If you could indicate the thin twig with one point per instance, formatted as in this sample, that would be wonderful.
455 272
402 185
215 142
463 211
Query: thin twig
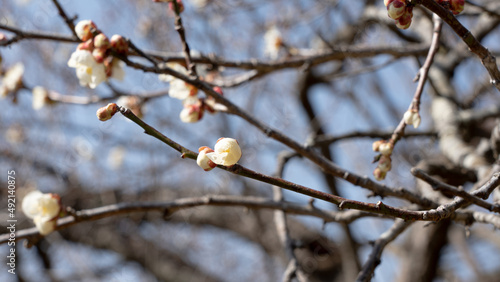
182 34
378 247
64 16
487 59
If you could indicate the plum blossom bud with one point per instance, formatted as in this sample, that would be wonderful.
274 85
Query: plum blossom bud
457 6
227 152
384 163
119 44
87 45
45 227
191 112
379 174
376 145
101 41
84 29
106 113
100 54
387 2
412 117
396 9
203 161
43 209
386 148
404 21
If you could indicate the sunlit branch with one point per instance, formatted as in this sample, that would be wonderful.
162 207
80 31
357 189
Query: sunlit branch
168 208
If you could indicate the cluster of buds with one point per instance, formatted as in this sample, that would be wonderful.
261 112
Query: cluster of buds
44 209
171 5
400 12
194 107
107 112
455 6
92 59
412 117
226 152
384 162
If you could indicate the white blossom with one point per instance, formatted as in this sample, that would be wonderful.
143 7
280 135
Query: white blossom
179 89
227 152
89 72
43 209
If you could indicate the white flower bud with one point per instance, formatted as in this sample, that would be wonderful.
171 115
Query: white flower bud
44 226
84 29
203 161
412 117
227 152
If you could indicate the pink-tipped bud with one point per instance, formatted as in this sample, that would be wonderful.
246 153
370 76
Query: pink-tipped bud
107 112
85 29
203 161
396 9
404 21
87 45
457 6
101 41
191 113
119 44
100 54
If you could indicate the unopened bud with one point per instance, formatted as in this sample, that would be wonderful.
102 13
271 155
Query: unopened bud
99 54
119 44
396 9
107 112
101 41
203 161
385 163
84 29
412 117
87 45
386 148
379 174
